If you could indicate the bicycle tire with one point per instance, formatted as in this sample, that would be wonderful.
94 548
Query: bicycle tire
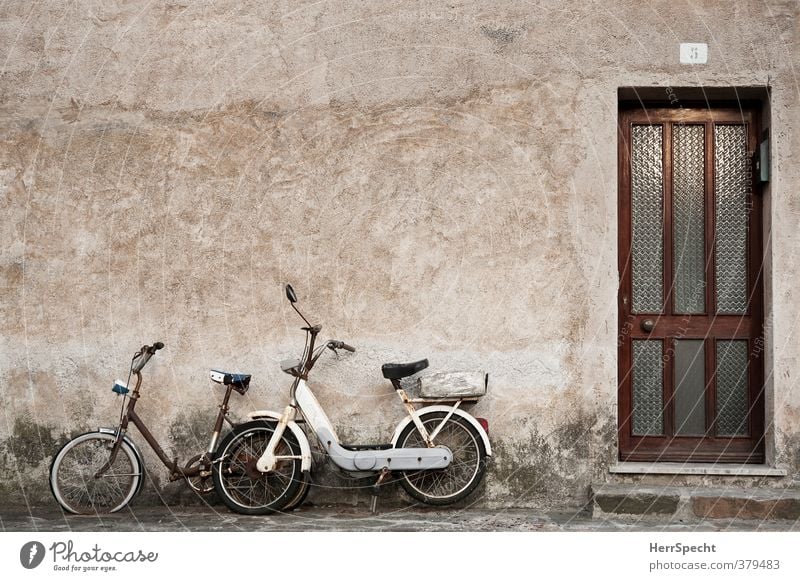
302 492
73 469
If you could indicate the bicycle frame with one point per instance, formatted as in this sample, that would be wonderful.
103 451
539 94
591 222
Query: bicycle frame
130 416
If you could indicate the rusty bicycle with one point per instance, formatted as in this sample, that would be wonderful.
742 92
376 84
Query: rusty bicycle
103 470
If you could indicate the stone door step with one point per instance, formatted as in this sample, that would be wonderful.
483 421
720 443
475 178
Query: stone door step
694 503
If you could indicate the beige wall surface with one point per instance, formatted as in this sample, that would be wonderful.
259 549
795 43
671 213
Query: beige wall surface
436 180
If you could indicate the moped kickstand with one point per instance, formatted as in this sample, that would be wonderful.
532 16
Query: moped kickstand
382 477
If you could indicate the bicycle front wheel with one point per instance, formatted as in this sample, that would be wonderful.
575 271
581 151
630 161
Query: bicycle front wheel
462 477
241 486
302 492
74 480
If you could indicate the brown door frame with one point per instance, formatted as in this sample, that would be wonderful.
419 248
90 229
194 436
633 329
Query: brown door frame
709 327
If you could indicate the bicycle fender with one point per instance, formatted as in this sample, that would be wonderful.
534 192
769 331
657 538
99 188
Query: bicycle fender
136 452
305 447
446 409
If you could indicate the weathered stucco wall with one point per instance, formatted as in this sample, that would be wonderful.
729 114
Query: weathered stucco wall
436 181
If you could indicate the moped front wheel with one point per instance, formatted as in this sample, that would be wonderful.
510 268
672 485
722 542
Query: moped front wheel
74 478
241 486
461 477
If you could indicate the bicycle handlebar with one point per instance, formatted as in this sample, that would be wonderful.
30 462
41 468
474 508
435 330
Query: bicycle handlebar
144 355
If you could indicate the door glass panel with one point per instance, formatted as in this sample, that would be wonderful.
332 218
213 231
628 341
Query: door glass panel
690 387
730 189
648 392
732 396
647 195
688 198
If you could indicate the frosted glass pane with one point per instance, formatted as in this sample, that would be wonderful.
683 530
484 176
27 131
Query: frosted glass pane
688 215
647 196
732 365
648 398
730 171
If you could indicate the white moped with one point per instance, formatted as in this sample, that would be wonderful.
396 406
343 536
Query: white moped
439 452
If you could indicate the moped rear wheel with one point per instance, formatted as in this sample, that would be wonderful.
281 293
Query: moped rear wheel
241 486
74 481
461 477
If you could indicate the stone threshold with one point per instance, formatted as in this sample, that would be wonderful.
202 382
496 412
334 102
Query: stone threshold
701 469
691 503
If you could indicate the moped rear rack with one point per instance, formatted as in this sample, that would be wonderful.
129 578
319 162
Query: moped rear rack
444 400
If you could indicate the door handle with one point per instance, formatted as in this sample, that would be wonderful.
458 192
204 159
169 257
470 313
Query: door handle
647 325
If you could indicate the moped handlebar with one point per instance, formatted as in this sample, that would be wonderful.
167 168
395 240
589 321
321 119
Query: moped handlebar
341 345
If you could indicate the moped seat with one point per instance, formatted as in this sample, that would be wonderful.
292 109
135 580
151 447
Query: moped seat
401 370
239 381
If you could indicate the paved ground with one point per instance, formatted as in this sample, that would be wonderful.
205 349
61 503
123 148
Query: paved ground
329 518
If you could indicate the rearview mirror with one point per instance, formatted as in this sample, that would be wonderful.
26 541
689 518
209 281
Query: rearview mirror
290 294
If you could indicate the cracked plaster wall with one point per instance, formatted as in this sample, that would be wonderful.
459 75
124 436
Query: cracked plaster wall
435 180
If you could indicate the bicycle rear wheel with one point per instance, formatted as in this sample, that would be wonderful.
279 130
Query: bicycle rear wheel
74 468
241 486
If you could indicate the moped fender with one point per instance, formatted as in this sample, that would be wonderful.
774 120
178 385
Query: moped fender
305 447
136 452
446 409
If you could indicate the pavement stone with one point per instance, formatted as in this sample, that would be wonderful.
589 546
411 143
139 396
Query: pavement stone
349 518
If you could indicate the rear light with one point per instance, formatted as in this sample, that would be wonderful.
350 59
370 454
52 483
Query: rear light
484 424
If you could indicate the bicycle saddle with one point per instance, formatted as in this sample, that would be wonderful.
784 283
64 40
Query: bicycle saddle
240 381
401 370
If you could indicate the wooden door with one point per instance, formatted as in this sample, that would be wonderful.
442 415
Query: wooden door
690 298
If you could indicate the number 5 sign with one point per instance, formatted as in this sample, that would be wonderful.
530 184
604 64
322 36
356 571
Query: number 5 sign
694 53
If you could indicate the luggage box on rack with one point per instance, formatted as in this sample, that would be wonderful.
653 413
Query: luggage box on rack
454 385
